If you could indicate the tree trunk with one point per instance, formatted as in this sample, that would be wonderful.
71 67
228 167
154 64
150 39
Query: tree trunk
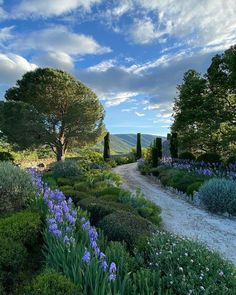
61 152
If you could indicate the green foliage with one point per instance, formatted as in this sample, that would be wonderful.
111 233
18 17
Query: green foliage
122 160
61 181
219 195
158 145
6 156
113 190
154 156
231 159
99 208
194 187
187 156
109 198
16 188
186 265
205 107
66 168
179 179
209 158
22 226
106 152
81 186
50 283
139 146
58 108
144 207
174 145
125 226
12 259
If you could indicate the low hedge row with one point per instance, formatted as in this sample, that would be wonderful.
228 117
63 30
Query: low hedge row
181 180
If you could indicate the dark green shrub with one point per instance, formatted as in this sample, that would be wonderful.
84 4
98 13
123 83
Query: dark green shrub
13 256
174 145
209 158
194 187
154 171
219 195
6 156
125 226
51 283
61 181
16 188
154 156
76 196
187 156
81 186
109 198
23 226
115 191
99 209
231 159
66 168
66 187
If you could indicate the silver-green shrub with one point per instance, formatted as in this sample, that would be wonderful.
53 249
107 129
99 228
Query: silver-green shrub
66 168
16 187
219 195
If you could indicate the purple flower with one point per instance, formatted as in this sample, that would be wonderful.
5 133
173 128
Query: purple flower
93 234
104 265
86 257
66 239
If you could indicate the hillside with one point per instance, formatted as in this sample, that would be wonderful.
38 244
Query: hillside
123 143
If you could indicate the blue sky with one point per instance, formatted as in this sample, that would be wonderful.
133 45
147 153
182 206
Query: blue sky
132 53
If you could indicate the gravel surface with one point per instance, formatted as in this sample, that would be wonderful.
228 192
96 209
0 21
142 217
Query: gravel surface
180 217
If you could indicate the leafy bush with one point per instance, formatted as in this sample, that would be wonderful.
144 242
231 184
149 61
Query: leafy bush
61 181
81 186
99 209
209 158
23 226
109 198
115 191
50 283
16 188
194 187
187 156
231 159
66 168
12 259
186 265
125 226
219 195
6 156
144 207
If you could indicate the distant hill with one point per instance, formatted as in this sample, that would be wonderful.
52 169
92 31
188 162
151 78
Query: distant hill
123 143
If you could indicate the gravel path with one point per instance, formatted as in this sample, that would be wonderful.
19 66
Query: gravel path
182 218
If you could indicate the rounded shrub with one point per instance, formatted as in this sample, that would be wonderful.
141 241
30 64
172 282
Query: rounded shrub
231 159
109 198
99 209
12 259
51 283
66 168
22 226
209 158
125 226
81 186
6 156
61 181
113 190
219 195
187 156
16 188
194 187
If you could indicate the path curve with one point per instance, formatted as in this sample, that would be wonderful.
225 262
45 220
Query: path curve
182 218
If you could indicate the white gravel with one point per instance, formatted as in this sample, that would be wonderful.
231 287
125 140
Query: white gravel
180 217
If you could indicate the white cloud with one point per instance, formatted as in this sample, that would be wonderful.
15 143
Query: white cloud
129 109
139 114
114 99
13 67
103 66
60 39
59 60
47 8
144 31
5 33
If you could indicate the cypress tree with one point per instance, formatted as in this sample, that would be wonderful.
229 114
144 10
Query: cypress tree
159 147
174 145
138 147
106 152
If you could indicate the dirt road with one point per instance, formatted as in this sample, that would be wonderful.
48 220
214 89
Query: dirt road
182 218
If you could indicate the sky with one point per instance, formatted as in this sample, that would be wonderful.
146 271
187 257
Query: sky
132 53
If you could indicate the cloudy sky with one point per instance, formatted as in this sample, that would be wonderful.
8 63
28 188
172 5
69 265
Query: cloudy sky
132 53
